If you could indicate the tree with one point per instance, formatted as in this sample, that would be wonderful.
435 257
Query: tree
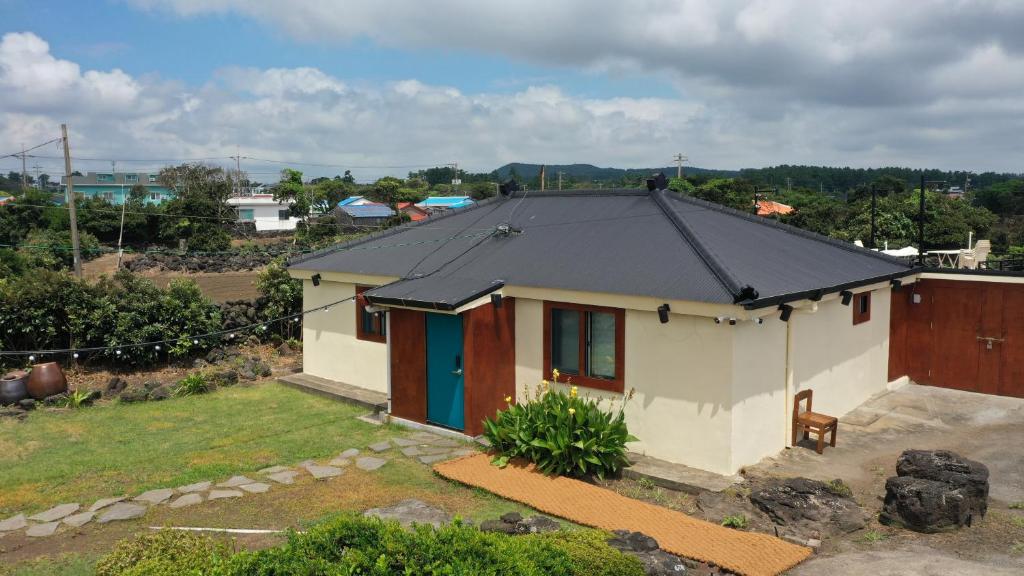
199 213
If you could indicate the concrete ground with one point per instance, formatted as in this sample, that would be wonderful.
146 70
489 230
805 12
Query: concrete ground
988 429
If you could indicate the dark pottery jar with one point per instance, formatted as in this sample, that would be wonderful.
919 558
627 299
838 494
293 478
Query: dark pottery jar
13 387
46 380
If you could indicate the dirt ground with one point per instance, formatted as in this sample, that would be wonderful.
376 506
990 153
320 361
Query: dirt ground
219 287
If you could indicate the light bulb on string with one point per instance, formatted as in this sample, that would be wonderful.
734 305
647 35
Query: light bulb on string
31 358
75 355
157 347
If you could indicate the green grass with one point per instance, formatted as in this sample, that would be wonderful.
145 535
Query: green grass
874 536
112 449
1017 505
67 565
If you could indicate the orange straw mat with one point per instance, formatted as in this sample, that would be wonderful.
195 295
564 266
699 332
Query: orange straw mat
747 553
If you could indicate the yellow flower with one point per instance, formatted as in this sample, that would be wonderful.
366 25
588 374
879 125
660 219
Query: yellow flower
572 411
573 392
554 374
508 399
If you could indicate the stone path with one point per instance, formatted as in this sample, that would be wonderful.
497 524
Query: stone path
425 447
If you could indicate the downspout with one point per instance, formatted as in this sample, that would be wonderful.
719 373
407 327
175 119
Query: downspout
787 422
387 340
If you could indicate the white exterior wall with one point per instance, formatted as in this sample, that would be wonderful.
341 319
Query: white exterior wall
844 364
330 347
266 217
682 375
759 404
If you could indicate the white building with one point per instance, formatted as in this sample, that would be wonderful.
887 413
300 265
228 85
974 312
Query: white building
267 213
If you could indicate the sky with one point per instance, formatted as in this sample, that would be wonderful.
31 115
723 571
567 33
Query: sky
384 87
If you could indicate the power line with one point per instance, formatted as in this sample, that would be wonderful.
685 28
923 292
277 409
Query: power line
24 150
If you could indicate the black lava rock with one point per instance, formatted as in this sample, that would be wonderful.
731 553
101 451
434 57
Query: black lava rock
935 491
28 404
808 506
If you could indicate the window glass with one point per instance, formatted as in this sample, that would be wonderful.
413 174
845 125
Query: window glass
864 303
601 348
283 214
565 340
245 214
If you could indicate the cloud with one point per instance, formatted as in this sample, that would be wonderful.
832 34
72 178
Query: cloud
953 116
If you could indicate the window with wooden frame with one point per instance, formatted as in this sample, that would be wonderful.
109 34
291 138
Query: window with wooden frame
371 326
861 307
586 344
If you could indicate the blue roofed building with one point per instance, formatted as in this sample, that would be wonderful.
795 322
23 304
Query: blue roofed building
115 187
355 201
437 204
363 215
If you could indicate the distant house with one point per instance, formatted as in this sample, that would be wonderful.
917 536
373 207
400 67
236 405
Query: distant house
362 215
415 212
955 192
115 187
771 208
438 204
264 212
355 201
5 199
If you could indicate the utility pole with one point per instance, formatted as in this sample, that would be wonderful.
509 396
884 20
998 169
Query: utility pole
679 158
25 182
542 177
124 203
238 173
920 225
874 207
70 191
560 180
455 176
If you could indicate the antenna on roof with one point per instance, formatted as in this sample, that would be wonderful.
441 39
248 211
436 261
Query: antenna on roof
657 182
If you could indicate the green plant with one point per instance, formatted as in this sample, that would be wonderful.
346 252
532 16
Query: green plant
561 433
1018 521
77 399
351 544
839 488
1017 505
164 553
192 385
874 536
738 521
1017 547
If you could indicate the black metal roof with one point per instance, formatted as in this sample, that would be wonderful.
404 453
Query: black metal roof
657 244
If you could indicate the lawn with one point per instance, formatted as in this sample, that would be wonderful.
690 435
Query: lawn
112 449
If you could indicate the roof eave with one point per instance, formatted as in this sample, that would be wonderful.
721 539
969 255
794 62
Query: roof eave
817 293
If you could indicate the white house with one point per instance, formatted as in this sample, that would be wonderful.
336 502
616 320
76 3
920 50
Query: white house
714 317
267 213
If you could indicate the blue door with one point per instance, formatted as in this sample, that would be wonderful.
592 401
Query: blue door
444 371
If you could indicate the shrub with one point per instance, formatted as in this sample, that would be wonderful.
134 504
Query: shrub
351 544
78 399
163 553
192 385
738 522
561 433
839 488
282 296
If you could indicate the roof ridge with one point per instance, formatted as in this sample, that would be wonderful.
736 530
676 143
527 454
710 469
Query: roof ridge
772 223
732 285
393 230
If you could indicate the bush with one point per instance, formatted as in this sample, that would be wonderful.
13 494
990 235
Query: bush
164 553
192 385
282 295
739 522
352 544
561 433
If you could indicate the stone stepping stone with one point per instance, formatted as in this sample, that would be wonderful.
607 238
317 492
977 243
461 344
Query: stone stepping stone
197 487
121 511
411 451
56 513
411 511
340 462
104 502
81 519
446 443
14 523
256 488
42 530
323 472
285 477
190 499
369 463
273 470
220 494
380 446
403 442
350 453
431 458
434 450
154 497
235 482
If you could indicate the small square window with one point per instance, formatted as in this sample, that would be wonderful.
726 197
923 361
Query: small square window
131 178
246 214
283 214
152 179
861 307
371 326
585 344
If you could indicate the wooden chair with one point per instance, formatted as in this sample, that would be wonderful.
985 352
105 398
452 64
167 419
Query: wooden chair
808 421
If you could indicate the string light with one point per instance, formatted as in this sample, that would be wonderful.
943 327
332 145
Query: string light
157 347
75 355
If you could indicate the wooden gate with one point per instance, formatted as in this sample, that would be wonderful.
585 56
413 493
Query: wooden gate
964 334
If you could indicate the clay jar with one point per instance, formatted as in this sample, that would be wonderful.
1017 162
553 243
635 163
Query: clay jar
46 380
12 387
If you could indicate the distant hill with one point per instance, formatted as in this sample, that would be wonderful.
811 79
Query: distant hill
584 172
